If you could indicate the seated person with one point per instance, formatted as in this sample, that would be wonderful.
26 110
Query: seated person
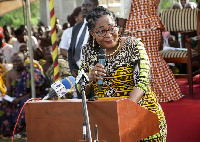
5 48
2 88
24 50
3 69
23 38
170 42
49 69
18 83
190 5
177 5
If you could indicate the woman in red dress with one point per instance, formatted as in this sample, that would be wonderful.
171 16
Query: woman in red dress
139 18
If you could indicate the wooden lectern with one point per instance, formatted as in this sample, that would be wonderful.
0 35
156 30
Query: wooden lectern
62 120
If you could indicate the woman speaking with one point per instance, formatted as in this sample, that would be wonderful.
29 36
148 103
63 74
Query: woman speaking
126 73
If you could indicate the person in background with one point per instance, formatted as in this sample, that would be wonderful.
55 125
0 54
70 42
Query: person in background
41 29
24 50
198 4
22 38
73 19
190 5
13 29
5 49
139 18
122 77
49 70
34 32
59 31
65 26
183 2
177 5
3 72
8 35
18 83
80 36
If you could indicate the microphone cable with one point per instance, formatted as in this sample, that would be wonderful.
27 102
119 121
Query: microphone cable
20 114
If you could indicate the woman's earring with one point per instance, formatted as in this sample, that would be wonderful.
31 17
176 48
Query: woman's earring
93 43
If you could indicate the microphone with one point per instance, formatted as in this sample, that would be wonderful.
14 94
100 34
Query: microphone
61 88
102 60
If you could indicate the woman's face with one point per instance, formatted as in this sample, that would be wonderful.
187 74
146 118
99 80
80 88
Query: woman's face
79 18
48 54
106 32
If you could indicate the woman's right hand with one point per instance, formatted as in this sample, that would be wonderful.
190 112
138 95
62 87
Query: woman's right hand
96 71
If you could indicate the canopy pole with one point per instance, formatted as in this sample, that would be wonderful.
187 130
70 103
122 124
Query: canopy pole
30 48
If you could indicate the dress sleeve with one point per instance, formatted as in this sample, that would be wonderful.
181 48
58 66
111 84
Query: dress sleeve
84 63
142 69
125 7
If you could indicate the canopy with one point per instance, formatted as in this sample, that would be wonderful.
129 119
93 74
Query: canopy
10 5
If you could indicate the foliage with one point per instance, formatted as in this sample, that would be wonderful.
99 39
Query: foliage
17 18
164 4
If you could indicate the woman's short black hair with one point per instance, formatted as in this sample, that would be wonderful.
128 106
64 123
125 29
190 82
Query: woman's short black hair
19 32
71 18
97 13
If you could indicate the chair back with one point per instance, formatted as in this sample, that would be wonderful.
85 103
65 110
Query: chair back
178 20
186 21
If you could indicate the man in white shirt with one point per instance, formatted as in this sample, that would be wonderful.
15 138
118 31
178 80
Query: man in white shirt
8 36
73 19
5 49
21 38
80 36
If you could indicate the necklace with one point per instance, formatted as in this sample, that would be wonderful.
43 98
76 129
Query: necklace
109 55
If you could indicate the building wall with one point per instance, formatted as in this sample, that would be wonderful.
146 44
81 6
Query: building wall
63 8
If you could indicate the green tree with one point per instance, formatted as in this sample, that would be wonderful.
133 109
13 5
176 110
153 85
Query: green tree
164 4
18 17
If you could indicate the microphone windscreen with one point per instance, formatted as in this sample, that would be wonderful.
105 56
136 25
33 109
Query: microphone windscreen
72 79
68 82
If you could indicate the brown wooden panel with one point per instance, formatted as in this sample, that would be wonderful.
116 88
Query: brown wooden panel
61 120
135 122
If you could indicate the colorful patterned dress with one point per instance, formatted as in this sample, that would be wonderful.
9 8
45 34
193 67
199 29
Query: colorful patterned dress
144 23
127 69
3 72
20 87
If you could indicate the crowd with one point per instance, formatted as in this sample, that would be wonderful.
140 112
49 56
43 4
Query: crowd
15 77
86 26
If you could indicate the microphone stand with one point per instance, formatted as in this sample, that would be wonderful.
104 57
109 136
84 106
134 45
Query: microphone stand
84 80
